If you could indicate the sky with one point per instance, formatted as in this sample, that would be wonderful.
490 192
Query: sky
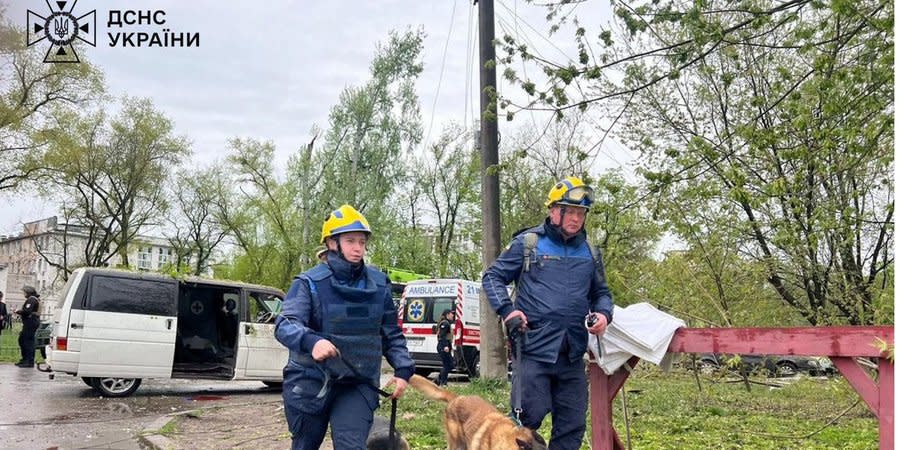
274 70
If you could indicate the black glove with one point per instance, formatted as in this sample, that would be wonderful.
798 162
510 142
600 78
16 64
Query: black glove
514 327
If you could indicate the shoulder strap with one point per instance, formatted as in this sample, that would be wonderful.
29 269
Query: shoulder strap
530 243
317 273
313 291
597 256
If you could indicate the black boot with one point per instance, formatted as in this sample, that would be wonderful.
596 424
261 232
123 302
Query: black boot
26 364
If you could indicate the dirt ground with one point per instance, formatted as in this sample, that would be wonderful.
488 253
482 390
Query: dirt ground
259 427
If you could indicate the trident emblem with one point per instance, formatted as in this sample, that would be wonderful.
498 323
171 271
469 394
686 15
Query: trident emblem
61 27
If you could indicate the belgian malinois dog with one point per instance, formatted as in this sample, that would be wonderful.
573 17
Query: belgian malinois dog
472 423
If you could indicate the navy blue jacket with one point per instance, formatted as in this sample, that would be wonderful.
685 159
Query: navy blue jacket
561 287
300 320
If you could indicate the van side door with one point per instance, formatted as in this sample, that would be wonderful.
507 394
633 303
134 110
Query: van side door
260 355
128 327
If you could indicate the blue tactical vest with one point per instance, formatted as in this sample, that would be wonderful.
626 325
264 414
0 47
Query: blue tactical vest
351 320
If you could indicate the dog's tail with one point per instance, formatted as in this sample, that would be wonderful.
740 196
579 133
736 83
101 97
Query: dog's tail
430 390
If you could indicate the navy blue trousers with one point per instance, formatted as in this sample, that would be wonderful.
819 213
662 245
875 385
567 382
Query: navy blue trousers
446 362
558 389
348 411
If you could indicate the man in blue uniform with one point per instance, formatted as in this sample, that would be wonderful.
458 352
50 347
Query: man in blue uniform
559 289
338 321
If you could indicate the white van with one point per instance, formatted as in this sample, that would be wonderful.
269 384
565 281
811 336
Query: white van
113 328
420 310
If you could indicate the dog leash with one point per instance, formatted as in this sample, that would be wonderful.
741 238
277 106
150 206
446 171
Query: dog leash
517 405
517 335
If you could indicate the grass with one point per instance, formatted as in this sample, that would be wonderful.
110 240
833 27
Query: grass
169 429
667 411
9 346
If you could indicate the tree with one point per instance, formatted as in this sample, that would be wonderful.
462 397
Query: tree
372 125
276 223
801 153
264 217
29 89
195 231
451 182
773 120
112 172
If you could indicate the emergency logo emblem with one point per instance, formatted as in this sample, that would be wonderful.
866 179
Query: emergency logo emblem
61 28
416 311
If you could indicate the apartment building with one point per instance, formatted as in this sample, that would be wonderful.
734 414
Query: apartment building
39 255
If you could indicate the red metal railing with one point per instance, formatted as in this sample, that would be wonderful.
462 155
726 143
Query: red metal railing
841 344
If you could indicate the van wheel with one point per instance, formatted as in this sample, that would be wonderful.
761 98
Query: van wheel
88 381
273 384
116 387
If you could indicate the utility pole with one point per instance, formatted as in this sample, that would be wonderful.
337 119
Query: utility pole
493 347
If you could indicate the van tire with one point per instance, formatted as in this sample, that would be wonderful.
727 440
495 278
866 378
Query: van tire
88 381
116 387
273 384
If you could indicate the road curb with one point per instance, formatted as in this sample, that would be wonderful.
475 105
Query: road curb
151 435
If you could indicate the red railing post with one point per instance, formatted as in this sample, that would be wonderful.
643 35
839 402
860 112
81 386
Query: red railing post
885 404
601 413
841 344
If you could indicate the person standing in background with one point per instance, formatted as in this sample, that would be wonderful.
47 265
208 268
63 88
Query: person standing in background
30 322
4 315
445 345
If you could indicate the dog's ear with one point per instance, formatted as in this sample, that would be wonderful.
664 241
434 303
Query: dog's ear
539 442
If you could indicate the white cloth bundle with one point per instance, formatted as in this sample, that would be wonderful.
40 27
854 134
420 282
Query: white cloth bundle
638 330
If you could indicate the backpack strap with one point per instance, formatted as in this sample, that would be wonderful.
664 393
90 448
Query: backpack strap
530 242
595 254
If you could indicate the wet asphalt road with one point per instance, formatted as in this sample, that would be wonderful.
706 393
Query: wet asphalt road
39 413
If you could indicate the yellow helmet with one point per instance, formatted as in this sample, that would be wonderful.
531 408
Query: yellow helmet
571 191
344 220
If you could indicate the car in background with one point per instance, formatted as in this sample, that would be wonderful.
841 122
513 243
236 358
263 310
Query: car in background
772 365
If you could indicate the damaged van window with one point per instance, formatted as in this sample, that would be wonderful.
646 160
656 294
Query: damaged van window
264 307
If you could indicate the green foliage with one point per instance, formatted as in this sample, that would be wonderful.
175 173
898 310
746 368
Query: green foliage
195 230
29 90
669 412
450 181
276 219
110 172
766 132
266 216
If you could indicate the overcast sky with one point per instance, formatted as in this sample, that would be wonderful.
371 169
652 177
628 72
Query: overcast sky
271 71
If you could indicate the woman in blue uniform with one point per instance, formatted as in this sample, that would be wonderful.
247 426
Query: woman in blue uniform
338 321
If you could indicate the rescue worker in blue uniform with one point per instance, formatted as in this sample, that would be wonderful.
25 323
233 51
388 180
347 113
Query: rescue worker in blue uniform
563 286
338 321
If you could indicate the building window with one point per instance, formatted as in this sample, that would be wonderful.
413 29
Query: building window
165 256
145 255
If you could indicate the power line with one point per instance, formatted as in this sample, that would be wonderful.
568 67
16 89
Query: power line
440 76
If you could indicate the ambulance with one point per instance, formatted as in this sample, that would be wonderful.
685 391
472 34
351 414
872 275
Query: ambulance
420 310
